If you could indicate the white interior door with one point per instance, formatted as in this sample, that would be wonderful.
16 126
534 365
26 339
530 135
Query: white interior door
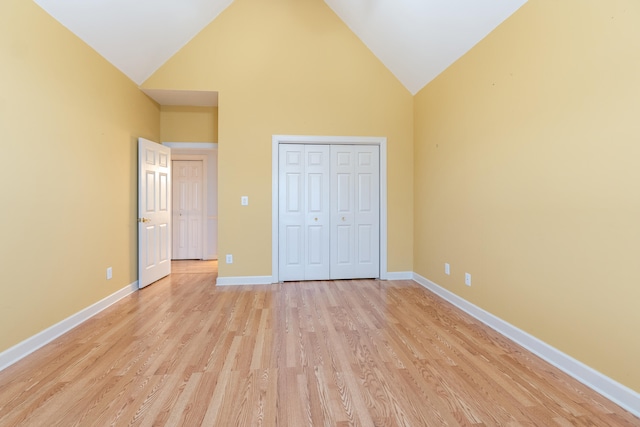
188 209
154 212
304 212
355 212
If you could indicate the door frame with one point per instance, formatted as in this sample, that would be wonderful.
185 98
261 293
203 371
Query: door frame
203 219
276 140
180 151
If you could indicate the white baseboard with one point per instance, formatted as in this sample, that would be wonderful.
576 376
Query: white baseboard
244 280
400 275
609 388
31 344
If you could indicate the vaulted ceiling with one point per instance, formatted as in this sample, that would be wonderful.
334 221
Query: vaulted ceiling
415 39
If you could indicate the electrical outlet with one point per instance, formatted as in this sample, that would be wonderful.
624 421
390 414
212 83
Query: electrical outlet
447 268
467 279
244 200
229 259
109 273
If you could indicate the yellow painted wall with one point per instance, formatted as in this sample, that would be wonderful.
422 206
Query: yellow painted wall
188 124
527 177
291 67
69 123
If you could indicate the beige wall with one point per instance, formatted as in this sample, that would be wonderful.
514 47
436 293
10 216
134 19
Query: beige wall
68 123
527 177
188 124
291 67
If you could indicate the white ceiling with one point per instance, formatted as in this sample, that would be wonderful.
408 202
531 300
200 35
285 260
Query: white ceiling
415 39
137 36
418 39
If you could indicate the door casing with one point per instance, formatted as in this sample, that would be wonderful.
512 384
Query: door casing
328 140
180 151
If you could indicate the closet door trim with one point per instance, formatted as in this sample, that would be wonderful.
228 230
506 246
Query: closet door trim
326 140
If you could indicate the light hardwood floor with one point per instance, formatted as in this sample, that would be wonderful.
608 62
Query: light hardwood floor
363 352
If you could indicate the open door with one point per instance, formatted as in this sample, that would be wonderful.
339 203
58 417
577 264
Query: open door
154 212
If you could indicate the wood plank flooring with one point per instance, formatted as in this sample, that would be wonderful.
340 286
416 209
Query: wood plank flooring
183 352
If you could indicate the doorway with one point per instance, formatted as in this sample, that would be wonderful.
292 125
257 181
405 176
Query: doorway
207 153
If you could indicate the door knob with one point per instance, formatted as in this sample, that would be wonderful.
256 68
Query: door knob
343 218
144 220
315 219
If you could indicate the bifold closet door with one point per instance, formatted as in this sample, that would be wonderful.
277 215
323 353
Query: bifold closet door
355 212
303 212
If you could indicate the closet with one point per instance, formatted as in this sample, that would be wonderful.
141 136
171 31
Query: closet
328 211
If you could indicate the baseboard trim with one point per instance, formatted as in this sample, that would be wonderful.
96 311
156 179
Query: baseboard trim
609 388
244 280
400 275
31 344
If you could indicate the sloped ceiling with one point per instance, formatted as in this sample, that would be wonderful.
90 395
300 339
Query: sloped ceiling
415 39
418 39
136 36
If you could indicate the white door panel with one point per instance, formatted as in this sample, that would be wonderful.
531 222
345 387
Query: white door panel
303 212
154 202
343 252
315 244
355 213
367 215
292 221
342 212
188 210
364 244
181 230
294 244
317 216
294 193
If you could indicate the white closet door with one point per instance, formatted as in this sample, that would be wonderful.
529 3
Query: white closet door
367 211
355 212
317 213
343 253
303 212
